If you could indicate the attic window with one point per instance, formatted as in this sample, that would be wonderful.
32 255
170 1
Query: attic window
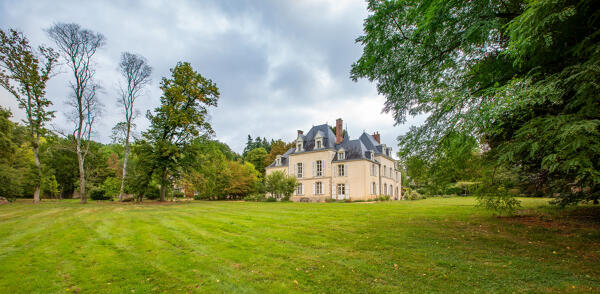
341 155
278 160
299 147
319 140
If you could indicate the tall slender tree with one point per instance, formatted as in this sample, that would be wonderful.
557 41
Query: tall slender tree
78 46
136 72
24 73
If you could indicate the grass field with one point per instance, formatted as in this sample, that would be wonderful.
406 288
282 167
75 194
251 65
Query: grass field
434 245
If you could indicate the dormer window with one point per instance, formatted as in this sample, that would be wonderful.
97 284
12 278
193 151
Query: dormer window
341 155
319 140
278 160
372 155
298 147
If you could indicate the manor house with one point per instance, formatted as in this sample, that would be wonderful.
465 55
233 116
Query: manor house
329 165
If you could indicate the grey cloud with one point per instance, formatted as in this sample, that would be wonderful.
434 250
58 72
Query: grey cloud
275 62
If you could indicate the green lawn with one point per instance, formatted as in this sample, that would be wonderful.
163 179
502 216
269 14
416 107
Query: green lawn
434 245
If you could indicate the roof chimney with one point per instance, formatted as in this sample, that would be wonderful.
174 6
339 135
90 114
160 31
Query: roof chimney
300 132
376 137
339 131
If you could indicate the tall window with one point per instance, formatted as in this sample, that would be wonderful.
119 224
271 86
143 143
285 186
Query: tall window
299 189
373 188
319 168
318 188
391 174
341 155
319 144
299 170
298 147
341 170
384 189
372 169
384 170
341 189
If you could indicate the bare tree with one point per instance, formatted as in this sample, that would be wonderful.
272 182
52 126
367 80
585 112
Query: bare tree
136 72
24 73
77 46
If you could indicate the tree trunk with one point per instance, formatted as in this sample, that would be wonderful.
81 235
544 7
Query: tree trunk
163 185
80 159
122 190
36 193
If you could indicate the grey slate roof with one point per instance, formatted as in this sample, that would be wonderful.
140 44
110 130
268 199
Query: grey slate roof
355 149
328 137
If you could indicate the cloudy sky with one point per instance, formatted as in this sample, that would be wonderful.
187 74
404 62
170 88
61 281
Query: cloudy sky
280 65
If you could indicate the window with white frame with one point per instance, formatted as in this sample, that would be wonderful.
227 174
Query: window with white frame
278 160
298 146
299 170
318 188
384 189
319 144
372 169
300 189
391 173
373 188
341 155
319 168
341 170
384 170
341 189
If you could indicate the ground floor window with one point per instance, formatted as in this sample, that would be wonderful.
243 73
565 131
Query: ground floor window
341 189
318 188
299 189
373 188
384 189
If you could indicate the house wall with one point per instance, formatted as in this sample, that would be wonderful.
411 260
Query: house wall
308 159
357 179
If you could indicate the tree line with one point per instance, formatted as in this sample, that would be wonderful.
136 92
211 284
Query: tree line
175 155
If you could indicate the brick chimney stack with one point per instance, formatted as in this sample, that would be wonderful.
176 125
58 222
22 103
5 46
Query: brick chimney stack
339 131
376 137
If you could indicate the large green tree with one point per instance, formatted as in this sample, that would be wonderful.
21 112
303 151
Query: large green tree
182 116
257 157
24 73
9 176
520 75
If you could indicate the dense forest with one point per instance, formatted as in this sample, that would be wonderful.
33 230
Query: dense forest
208 169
